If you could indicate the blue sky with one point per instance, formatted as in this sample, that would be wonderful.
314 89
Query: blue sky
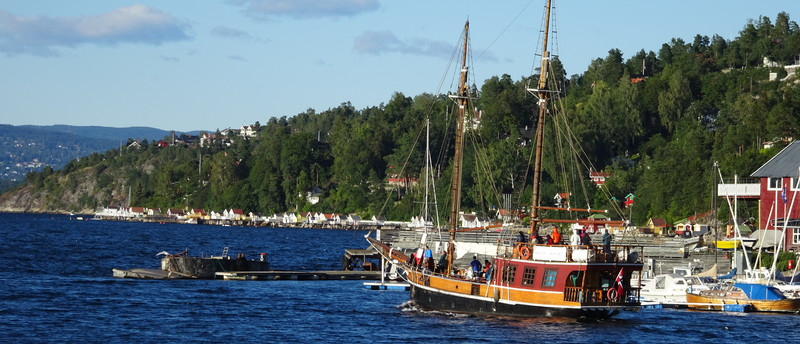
189 65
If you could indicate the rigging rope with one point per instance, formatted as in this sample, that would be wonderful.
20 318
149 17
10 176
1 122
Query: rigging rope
505 29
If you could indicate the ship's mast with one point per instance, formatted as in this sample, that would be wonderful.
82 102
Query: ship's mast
461 99
542 93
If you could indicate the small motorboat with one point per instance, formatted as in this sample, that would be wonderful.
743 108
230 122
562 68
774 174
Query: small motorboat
670 289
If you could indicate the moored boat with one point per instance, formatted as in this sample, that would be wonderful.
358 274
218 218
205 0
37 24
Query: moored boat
525 279
728 244
540 280
757 297
670 288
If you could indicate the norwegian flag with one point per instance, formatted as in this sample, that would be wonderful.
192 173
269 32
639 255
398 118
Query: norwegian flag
619 281
783 195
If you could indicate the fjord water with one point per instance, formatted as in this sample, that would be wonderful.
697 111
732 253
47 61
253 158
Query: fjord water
57 287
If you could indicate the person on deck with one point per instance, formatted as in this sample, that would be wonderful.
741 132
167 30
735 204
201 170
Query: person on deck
521 237
427 256
585 239
476 266
442 265
487 270
607 242
556 236
575 239
356 264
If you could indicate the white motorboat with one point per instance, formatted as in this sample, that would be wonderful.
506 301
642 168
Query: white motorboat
670 289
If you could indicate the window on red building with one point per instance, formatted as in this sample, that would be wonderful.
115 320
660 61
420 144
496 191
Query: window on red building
775 184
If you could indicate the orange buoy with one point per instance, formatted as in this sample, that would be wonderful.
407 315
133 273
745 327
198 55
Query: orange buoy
524 252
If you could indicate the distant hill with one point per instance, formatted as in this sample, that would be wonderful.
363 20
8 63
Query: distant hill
97 132
31 148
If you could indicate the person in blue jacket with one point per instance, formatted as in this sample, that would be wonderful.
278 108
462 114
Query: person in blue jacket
476 266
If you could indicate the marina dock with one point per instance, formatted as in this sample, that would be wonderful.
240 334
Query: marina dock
274 275
744 307
387 286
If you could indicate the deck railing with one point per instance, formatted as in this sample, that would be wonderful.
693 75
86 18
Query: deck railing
593 253
599 296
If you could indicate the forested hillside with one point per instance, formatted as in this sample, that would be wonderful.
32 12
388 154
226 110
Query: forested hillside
655 121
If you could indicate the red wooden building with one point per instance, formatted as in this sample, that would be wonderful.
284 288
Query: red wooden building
779 199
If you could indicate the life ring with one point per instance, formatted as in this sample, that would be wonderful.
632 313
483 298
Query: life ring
524 252
612 294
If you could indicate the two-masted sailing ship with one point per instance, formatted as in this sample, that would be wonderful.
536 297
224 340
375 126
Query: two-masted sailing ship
528 279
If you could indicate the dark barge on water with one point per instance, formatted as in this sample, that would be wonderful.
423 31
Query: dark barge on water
180 266
176 266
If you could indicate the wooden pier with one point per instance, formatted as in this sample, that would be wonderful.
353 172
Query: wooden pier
387 286
730 307
275 275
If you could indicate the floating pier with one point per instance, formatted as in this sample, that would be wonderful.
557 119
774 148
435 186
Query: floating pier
298 275
149 274
387 286
734 308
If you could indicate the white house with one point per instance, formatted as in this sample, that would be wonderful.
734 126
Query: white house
314 195
289 218
469 221
248 131
321 218
379 220
421 222
353 220
234 214
109 212
216 215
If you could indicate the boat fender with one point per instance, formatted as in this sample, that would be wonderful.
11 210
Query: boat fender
613 294
524 252
496 295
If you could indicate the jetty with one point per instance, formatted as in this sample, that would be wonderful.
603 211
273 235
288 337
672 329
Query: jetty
276 275
179 266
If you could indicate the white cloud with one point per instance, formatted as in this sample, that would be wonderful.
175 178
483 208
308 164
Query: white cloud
378 42
306 9
170 58
134 24
224 31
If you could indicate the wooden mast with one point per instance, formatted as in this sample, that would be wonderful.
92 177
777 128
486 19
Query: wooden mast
461 99
542 93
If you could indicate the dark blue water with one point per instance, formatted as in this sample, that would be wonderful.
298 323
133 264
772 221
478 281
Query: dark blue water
56 286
